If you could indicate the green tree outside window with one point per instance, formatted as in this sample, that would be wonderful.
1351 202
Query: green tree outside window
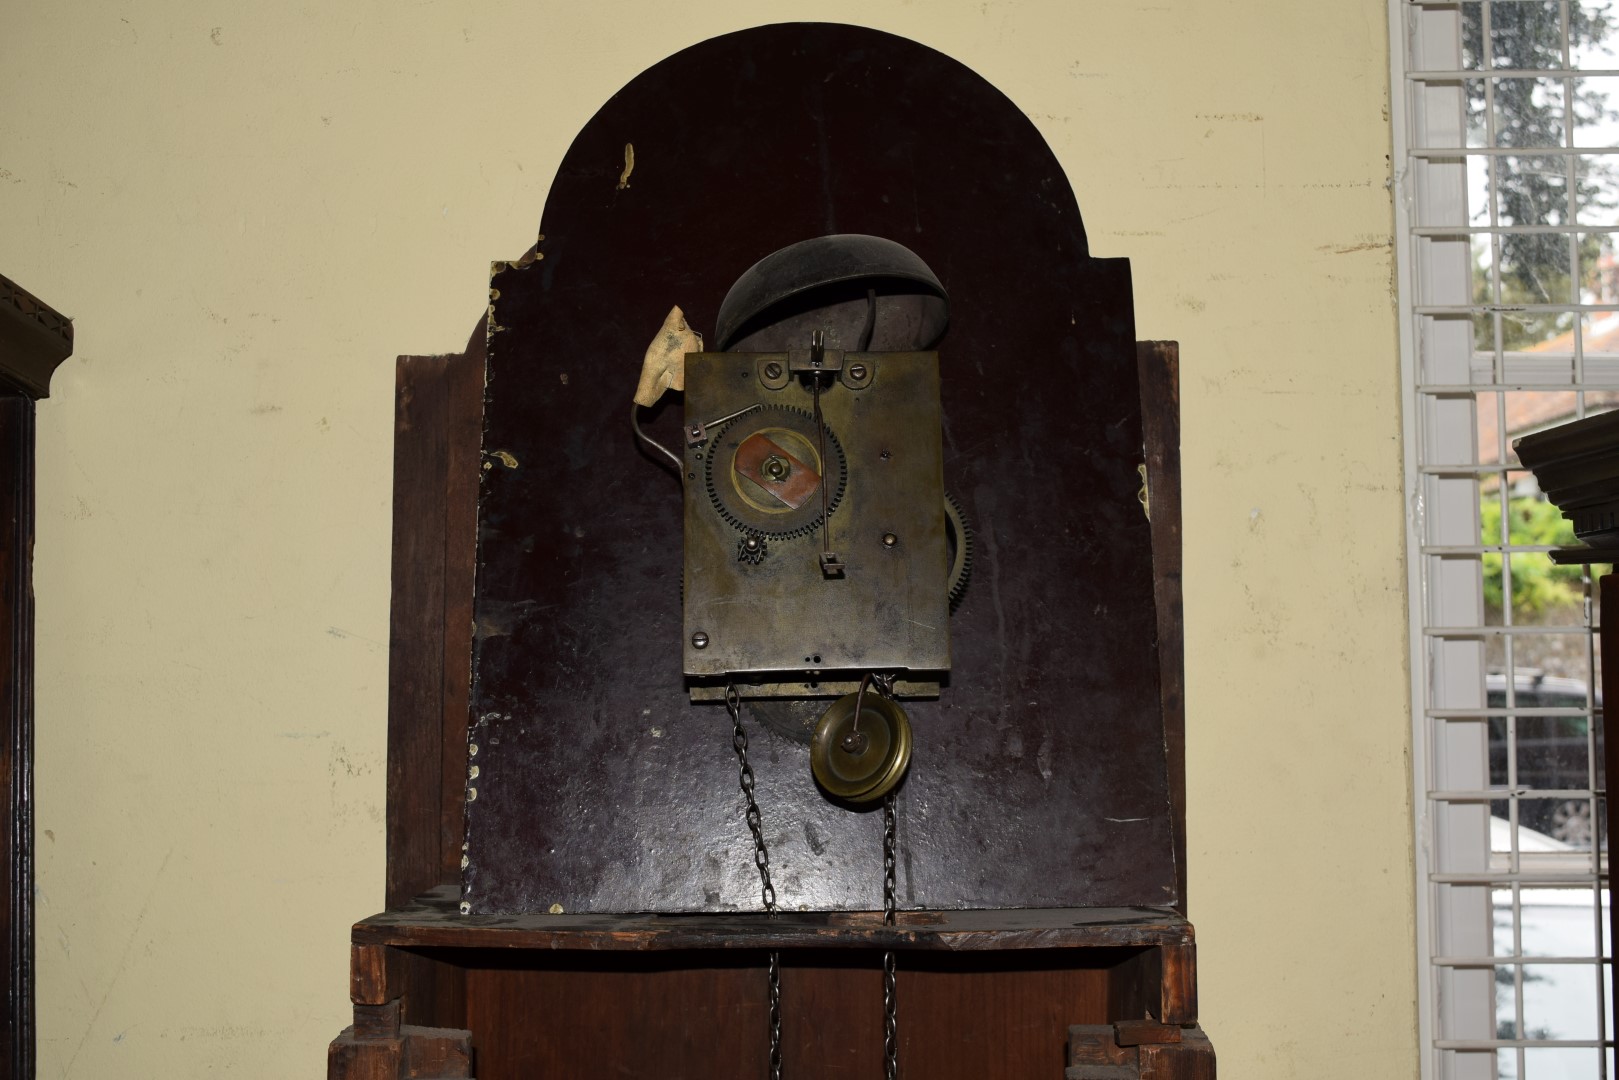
1539 588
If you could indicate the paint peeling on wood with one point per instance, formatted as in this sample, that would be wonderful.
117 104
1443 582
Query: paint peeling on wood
629 166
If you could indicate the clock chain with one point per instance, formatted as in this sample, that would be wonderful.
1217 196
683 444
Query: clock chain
767 892
761 859
890 997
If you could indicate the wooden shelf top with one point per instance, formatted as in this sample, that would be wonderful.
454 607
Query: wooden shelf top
434 920
1580 556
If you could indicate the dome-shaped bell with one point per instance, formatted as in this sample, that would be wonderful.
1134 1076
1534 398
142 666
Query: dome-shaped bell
865 293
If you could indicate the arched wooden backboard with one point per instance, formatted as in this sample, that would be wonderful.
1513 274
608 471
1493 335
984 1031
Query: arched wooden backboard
1038 777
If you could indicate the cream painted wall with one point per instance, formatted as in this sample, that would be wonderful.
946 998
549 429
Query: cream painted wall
251 208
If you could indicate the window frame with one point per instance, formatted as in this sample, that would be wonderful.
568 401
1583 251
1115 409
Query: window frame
1444 548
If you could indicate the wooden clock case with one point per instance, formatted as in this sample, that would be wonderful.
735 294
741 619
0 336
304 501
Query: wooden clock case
34 339
575 901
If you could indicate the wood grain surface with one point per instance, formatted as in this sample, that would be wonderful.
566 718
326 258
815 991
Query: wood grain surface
1039 777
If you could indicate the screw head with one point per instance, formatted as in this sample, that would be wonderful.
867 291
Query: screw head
889 539
772 370
699 640
857 371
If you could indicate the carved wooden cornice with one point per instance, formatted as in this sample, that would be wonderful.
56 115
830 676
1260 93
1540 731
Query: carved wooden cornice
1577 466
34 339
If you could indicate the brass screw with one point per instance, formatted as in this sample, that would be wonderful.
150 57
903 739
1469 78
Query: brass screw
857 372
772 370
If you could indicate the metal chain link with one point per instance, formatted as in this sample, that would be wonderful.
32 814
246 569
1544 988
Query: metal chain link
739 743
761 859
775 1015
890 904
767 893
890 913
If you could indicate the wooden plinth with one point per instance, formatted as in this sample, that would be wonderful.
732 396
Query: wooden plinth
981 993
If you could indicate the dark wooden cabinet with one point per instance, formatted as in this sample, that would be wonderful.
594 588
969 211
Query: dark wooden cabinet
536 618
34 339
1006 993
981 993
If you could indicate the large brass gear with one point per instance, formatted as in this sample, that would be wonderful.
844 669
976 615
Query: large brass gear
737 500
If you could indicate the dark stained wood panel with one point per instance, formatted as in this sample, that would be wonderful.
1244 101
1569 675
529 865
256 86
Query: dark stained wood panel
1160 411
434 922
1190 1059
1039 776
415 646
702 1016
34 339
17 726
437 419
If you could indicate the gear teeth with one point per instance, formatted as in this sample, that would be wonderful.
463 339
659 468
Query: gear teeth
790 718
834 452
961 568
756 554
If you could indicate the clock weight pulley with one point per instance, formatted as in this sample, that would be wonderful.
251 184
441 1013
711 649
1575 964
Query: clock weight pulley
857 765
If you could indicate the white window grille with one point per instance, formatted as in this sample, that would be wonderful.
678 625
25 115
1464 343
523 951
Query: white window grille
1506 118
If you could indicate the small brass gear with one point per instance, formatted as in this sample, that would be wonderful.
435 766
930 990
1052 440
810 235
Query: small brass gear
752 549
747 507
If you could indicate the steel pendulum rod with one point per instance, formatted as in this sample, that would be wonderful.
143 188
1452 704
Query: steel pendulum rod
761 859
890 1003
851 741
831 565
820 438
